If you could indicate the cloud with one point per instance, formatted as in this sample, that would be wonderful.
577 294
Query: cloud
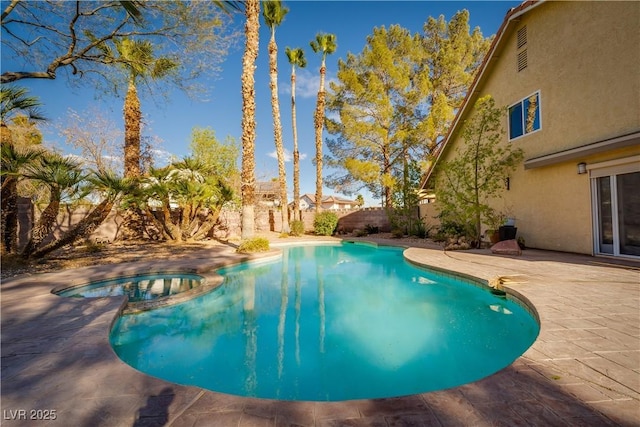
287 155
162 157
307 83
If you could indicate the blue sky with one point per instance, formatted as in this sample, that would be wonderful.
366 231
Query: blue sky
350 21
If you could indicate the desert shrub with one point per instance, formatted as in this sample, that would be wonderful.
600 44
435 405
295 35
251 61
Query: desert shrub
297 227
371 229
360 233
397 233
92 247
324 224
419 229
256 244
450 228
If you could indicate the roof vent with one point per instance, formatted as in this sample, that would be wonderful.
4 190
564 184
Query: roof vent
522 60
522 36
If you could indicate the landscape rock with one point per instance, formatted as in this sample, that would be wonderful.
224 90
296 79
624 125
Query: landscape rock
507 247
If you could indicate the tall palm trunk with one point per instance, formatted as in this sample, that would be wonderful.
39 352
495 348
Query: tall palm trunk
318 121
252 27
277 130
296 153
133 222
132 119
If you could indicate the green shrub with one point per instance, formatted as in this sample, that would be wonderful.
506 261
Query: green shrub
92 247
419 229
450 227
324 224
397 233
297 227
371 229
256 244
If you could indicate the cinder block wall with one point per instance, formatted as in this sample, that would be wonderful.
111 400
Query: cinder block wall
267 219
357 220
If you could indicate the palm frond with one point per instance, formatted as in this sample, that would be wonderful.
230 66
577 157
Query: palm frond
132 7
296 57
14 100
229 6
273 12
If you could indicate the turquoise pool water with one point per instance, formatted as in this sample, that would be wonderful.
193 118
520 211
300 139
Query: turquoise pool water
136 288
329 323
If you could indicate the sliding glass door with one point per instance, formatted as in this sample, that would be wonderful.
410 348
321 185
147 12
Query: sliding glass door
617 214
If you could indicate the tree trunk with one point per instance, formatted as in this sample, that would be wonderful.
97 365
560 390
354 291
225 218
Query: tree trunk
277 131
9 199
296 154
318 122
252 27
133 224
208 224
173 230
164 231
132 119
44 226
83 229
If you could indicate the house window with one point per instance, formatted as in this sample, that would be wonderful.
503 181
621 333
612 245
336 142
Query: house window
524 116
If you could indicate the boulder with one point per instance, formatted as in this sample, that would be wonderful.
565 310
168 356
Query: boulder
507 247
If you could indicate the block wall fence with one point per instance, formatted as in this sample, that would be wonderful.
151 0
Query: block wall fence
267 220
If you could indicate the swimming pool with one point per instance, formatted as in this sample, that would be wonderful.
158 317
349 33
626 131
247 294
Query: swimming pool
329 323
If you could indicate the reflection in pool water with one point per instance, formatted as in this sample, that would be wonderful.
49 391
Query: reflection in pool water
329 323
137 288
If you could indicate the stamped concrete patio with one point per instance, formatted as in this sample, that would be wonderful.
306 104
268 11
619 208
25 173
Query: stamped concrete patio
583 370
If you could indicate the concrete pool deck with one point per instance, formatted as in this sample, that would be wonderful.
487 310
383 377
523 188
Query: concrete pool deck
584 368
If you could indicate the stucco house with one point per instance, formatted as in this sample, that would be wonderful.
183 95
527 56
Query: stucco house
569 75
329 203
267 193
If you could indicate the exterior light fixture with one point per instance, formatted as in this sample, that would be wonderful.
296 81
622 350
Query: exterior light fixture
582 168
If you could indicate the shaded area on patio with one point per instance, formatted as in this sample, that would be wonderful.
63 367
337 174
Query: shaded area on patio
582 370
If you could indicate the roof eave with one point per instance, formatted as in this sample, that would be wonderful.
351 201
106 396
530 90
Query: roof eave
511 16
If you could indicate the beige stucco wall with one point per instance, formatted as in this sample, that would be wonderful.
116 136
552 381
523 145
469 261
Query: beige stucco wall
583 58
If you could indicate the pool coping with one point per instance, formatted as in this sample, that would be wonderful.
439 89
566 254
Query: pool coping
548 383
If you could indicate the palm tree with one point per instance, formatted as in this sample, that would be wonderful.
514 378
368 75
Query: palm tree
248 174
274 13
109 187
14 161
197 191
296 59
60 175
137 58
325 44
14 103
